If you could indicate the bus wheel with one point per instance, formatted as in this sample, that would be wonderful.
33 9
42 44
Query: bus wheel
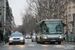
59 42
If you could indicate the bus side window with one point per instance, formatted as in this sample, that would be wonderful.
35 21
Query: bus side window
45 28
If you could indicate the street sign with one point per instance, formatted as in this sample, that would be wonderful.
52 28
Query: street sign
3 26
5 22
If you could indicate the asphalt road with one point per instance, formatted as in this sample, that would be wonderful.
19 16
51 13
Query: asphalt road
34 46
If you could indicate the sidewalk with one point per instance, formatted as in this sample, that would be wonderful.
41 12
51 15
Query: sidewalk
2 43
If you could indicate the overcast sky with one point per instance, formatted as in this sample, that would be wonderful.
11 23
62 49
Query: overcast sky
17 8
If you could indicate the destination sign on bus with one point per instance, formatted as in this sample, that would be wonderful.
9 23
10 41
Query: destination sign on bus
52 22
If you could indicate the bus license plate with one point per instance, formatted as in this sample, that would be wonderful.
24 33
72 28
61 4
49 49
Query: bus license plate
53 40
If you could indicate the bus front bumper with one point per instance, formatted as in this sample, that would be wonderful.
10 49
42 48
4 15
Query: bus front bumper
52 40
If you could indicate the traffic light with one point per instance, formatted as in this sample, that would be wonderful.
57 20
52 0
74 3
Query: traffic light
0 25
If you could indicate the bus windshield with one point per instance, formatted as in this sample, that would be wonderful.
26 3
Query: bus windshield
54 28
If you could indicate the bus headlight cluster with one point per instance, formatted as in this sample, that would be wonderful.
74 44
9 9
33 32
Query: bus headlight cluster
60 37
44 37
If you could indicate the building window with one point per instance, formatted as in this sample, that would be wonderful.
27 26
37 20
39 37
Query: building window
69 15
69 11
73 6
69 27
52 0
60 2
69 7
69 19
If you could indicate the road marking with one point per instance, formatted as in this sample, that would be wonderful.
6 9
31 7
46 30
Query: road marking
45 45
7 44
68 47
18 45
72 45
58 46
25 40
65 47
31 45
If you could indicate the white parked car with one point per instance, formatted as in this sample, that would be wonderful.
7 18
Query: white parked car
16 37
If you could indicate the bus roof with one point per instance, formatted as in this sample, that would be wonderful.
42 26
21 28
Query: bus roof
53 20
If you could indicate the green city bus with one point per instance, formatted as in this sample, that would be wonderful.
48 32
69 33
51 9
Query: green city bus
49 31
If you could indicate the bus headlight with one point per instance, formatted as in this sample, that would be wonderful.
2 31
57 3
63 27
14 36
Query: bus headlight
44 37
10 38
60 37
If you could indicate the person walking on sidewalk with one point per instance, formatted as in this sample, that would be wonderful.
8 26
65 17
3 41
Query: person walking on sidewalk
1 36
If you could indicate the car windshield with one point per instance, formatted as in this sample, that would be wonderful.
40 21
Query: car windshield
16 34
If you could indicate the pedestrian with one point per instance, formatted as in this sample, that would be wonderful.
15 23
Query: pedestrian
34 33
1 36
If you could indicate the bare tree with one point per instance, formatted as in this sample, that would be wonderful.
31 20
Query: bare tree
41 9
28 19
46 8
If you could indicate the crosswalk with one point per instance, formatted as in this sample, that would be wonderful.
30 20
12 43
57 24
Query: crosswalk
26 45
58 46
34 44
55 46
65 46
